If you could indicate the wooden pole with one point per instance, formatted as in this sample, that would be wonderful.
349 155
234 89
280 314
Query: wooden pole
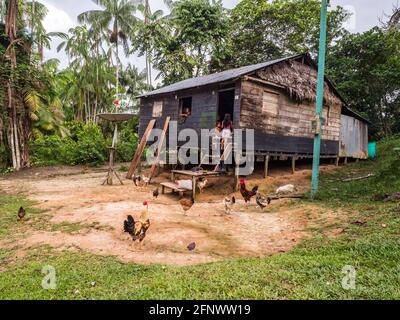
194 183
266 165
159 147
111 170
319 99
140 149
293 165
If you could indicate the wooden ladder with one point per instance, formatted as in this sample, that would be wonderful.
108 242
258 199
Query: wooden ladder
225 154
159 147
140 149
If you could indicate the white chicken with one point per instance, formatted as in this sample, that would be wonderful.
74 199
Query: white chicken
202 184
228 204
289 188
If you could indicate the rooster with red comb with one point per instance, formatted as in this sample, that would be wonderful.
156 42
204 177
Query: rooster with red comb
138 229
247 194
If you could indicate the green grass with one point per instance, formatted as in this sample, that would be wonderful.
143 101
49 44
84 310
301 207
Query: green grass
312 270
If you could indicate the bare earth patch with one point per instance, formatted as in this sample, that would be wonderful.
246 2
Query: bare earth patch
75 195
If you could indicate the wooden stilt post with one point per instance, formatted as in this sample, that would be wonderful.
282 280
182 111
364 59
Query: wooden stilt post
345 160
194 186
337 161
111 169
293 164
266 165
236 180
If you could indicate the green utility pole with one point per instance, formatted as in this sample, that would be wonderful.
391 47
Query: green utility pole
320 98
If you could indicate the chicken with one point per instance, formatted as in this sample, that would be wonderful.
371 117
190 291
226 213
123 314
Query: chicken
191 246
21 213
261 201
228 204
140 181
392 197
186 204
156 193
145 180
202 184
138 229
246 194
136 180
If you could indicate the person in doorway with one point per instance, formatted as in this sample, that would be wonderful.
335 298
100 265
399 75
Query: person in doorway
226 134
227 126
217 137
186 112
216 132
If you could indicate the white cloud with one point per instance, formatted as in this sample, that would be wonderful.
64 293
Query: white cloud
56 19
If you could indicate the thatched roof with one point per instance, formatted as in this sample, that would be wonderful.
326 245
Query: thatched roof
299 80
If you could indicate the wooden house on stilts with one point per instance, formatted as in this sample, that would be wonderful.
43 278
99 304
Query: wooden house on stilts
275 98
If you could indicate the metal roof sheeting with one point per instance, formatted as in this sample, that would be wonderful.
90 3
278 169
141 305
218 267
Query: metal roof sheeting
215 77
237 73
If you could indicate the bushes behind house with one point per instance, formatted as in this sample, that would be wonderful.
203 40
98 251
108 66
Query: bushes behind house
86 144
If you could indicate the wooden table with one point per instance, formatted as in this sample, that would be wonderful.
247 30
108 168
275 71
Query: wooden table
195 175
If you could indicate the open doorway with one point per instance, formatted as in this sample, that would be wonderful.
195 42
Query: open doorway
226 100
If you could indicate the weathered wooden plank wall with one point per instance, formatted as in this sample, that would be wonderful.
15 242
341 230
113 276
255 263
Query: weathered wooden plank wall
289 128
292 119
204 108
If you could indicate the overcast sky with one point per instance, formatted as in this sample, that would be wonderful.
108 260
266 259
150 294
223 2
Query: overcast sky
62 16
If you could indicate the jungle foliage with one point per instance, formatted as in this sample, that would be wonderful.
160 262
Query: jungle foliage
39 102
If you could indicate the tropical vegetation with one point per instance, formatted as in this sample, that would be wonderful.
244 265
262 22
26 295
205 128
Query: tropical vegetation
39 101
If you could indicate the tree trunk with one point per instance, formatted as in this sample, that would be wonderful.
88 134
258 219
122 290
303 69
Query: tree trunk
117 71
12 130
97 84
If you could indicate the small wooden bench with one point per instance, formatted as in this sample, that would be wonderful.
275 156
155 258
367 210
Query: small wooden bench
173 186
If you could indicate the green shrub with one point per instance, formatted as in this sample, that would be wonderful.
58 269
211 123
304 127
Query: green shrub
127 144
46 150
86 145
90 146
74 127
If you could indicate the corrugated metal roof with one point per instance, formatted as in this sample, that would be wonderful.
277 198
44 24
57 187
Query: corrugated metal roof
237 73
215 77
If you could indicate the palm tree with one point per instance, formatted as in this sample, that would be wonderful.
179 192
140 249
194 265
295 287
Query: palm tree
46 106
117 17
151 28
87 86
134 82
394 21
11 31
34 14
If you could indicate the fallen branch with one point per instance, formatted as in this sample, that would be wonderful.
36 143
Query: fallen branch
289 196
359 178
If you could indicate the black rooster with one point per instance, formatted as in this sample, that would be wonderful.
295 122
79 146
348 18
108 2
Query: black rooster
246 194
156 193
21 213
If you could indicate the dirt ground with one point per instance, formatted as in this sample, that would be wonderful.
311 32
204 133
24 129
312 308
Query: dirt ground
75 195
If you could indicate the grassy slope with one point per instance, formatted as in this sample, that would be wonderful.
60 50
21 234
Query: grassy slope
312 270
